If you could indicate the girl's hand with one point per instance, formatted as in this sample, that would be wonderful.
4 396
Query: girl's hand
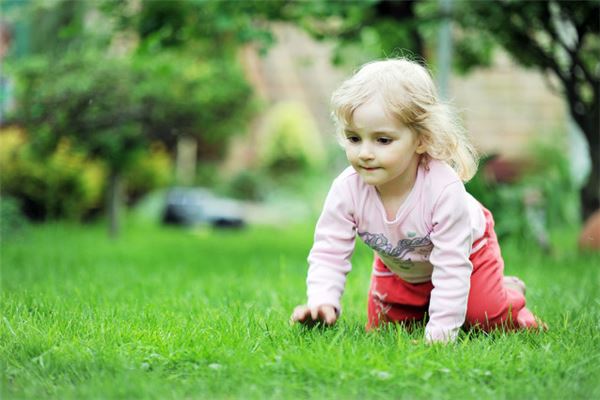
310 316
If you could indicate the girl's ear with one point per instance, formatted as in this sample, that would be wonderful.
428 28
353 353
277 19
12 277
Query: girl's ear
421 147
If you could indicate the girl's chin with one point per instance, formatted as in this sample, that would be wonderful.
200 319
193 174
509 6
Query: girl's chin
371 180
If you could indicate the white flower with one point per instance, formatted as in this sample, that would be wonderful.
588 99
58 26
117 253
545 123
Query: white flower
383 375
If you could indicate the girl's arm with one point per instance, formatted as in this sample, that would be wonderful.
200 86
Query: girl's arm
329 258
451 278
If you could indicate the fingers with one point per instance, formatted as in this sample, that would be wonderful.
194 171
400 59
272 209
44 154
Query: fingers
314 313
327 314
309 316
300 314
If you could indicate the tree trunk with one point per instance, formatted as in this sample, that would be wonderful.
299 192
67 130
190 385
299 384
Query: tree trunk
113 202
186 161
590 192
589 122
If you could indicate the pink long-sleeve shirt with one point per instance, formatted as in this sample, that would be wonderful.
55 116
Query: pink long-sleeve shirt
436 229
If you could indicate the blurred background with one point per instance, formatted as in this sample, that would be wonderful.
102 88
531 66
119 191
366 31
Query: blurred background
217 112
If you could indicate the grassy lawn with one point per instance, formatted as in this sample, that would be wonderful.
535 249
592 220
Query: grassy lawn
167 313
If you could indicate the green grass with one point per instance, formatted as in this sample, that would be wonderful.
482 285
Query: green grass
166 313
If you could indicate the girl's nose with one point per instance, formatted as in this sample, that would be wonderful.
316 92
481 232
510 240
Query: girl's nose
365 153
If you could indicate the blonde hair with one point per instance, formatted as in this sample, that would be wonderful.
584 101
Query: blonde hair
409 94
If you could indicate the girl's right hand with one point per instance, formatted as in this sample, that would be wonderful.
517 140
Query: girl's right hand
310 316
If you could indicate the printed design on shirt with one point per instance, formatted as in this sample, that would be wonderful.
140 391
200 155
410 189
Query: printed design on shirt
381 244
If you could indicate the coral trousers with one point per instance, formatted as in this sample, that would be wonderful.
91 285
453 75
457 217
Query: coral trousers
490 303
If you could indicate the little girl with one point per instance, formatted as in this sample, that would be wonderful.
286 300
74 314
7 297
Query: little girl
436 253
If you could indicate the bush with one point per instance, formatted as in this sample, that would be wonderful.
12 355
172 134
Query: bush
114 107
152 170
207 174
290 142
544 198
66 184
247 185
182 94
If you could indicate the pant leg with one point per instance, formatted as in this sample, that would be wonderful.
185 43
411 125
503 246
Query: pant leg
391 299
490 304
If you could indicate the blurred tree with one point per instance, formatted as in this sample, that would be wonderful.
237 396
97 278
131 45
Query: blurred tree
560 38
122 77
91 103
363 29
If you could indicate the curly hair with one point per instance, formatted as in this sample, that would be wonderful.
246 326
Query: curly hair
410 96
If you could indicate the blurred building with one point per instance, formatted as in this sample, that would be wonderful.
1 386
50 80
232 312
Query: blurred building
506 107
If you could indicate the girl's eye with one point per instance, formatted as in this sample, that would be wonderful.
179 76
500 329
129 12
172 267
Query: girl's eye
384 140
353 139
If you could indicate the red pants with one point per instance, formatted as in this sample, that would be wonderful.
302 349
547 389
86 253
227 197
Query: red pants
490 304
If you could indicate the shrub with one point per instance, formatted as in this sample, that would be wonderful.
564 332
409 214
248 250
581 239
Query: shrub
207 174
181 94
247 185
290 141
115 109
542 199
151 170
64 184
67 183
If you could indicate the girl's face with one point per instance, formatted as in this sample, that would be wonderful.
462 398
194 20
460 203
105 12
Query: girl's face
381 149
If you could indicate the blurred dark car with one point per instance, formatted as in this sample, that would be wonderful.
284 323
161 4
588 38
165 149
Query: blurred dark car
193 206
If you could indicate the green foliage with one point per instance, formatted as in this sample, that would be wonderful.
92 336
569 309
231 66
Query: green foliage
363 30
122 76
61 20
552 177
247 185
220 25
134 75
544 198
207 174
181 95
65 184
152 170
536 32
559 38
290 142
112 109
90 102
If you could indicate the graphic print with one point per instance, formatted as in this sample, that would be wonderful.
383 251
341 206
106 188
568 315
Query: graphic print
379 243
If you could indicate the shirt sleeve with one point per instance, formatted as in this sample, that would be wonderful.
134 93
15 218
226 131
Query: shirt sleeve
451 278
329 258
